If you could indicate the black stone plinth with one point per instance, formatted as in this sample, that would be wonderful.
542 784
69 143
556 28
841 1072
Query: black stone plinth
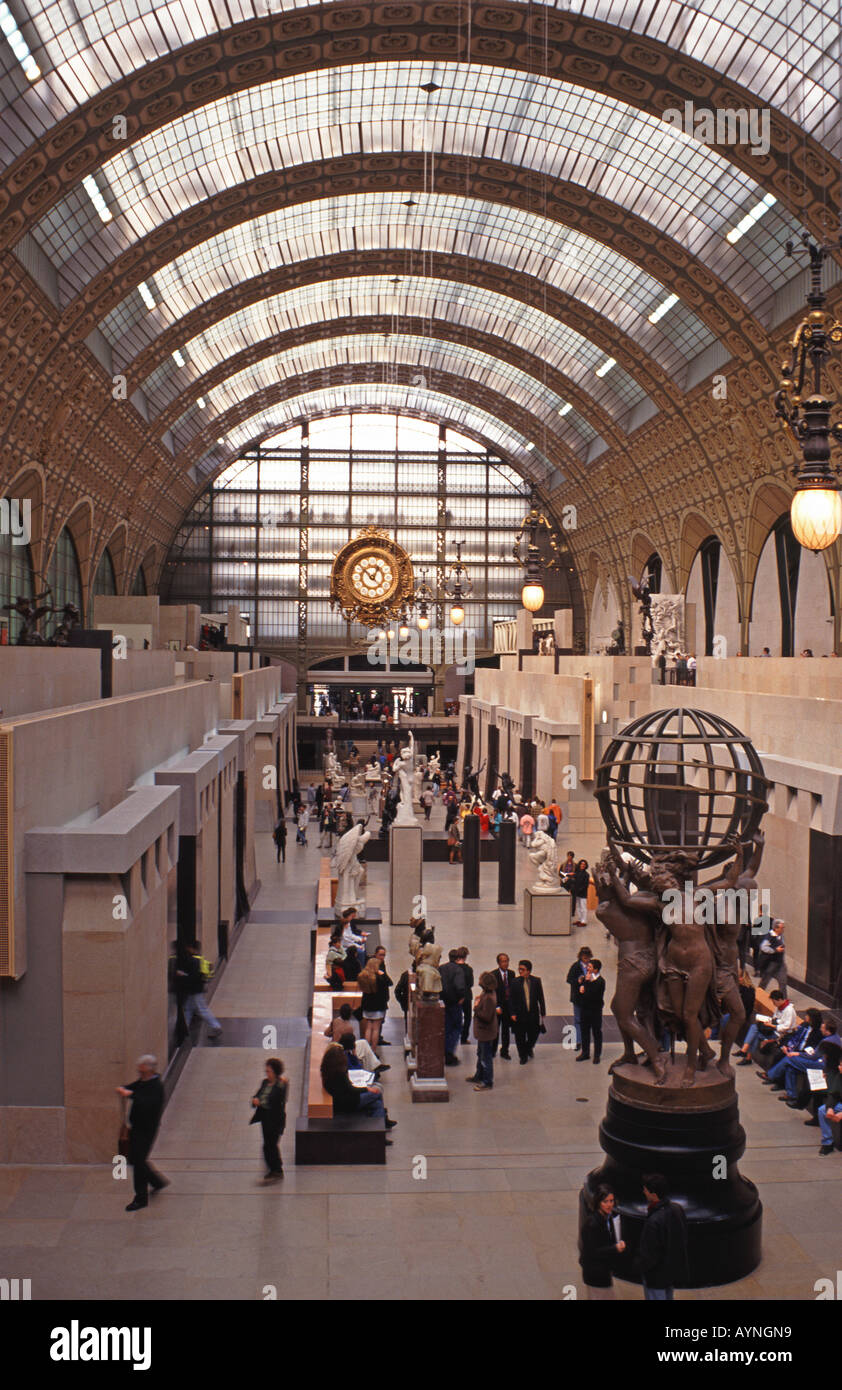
687 1136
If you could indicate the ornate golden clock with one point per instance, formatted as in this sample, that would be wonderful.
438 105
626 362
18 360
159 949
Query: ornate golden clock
371 580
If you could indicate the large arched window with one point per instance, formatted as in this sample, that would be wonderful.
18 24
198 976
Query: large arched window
105 580
64 575
428 485
139 589
16 580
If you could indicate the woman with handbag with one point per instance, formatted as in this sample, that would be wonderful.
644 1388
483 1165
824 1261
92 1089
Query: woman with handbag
269 1102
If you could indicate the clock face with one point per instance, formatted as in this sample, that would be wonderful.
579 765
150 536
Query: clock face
373 576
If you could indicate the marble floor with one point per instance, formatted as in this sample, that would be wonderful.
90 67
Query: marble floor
494 1217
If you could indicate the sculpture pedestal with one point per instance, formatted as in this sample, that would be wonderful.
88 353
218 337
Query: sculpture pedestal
694 1137
404 872
428 1081
359 805
544 913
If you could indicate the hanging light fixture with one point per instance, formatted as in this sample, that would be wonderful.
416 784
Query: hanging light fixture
458 587
816 511
532 593
424 597
403 629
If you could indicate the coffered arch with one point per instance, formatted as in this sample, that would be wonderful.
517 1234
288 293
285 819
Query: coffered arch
583 422
600 56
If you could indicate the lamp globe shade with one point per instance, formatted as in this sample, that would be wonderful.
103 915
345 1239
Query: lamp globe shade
816 515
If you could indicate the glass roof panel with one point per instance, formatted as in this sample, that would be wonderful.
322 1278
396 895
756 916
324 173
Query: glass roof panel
686 189
423 354
604 281
384 396
470 306
790 61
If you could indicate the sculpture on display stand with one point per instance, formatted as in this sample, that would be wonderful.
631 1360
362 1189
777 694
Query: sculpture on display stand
680 791
543 854
373 778
426 968
402 768
349 872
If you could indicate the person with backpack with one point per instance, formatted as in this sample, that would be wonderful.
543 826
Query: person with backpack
195 972
279 835
269 1102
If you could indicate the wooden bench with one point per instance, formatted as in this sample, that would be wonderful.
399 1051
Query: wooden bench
321 1137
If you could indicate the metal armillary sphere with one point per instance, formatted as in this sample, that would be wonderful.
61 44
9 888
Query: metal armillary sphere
682 780
458 587
532 593
816 511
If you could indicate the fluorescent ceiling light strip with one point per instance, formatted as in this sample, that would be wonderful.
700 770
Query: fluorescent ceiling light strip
657 314
18 43
96 197
606 366
178 358
200 401
565 409
146 294
750 218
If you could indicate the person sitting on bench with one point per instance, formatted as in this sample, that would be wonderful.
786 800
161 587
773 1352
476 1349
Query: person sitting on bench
347 1098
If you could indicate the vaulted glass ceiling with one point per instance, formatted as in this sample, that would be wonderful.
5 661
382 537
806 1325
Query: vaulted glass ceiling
787 55
469 306
686 190
384 396
424 354
600 279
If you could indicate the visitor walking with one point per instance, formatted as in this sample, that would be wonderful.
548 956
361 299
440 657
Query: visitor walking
147 1103
269 1101
579 889
486 1014
279 835
592 1000
194 977
528 1010
575 976
662 1254
303 822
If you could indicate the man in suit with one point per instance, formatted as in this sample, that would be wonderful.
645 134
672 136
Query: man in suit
468 1002
591 1002
453 991
505 979
527 1010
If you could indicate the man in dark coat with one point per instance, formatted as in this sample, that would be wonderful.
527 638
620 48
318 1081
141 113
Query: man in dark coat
467 1003
591 1003
527 1010
147 1102
453 991
505 979
662 1254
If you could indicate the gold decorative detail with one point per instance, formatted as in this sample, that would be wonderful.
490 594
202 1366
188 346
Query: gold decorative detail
371 579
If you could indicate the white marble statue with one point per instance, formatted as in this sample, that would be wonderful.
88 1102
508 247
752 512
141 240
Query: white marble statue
333 768
417 783
373 785
434 765
542 852
402 769
667 623
349 871
358 784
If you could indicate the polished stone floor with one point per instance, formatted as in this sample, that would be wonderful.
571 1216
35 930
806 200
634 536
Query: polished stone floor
495 1216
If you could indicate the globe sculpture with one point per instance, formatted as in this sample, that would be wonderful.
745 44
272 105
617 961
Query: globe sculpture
681 779
680 791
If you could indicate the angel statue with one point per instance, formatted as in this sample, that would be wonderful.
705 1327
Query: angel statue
348 869
543 855
402 769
